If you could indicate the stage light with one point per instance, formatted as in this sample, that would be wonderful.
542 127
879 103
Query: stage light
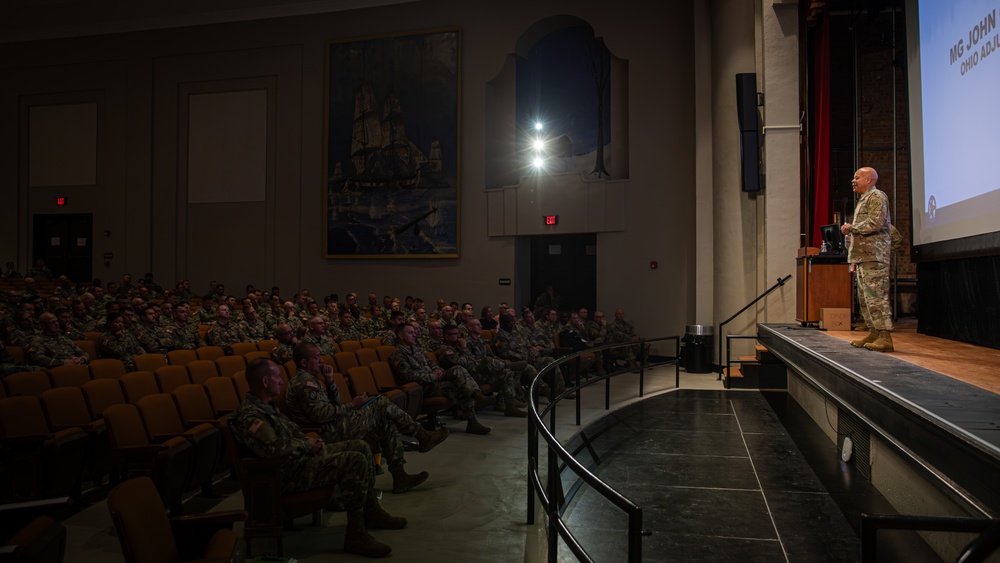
539 144
538 126
538 162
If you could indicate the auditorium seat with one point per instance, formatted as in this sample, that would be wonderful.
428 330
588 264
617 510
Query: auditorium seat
202 370
362 381
169 378
39 464
181 357
244 348
89 347
137 384
101 394
149 362
32 383
162 421
346 361
349 345
210 352
371 342
65 408
251 356
366 356
385 381
69 376
267 345
109 368
228 365
222 394
384 352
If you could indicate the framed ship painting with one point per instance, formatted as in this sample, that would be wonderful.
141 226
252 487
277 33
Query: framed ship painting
391 160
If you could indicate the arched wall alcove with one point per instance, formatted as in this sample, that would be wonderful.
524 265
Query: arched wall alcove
563 77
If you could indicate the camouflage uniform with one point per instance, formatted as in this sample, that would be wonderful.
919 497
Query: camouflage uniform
256 330
182 336
512 346
9 365
124 348
484 366
620 332
598 334
268 433
323 342
73 333
388 337
150 337
22 338
347 333
869 250
225 335
411 364
282 353
379 423
51 351
535 336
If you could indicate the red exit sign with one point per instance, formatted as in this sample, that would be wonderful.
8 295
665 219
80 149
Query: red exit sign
551 219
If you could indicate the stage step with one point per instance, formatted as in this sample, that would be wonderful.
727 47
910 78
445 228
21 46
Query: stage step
763 370
764 355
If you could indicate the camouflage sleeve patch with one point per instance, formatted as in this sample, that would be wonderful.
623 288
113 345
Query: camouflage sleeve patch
256 426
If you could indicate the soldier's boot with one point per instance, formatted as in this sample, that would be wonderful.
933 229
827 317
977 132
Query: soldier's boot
376 518
512 410
428 440
883 343
862 326
475 427
481 400
401 482
358 540
866 340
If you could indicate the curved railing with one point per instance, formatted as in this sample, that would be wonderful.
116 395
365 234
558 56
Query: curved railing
550 492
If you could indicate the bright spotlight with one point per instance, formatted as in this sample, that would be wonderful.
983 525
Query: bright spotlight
539 144
538 125
538 162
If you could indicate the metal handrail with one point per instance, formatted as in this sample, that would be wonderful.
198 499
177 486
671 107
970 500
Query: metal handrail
984 545
779 283
550 494
729 351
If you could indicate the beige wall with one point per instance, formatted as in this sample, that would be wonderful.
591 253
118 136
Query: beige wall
141 80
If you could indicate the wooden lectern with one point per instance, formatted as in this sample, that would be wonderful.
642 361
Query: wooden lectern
822 281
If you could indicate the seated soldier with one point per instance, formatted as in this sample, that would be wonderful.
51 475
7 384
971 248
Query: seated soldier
119 343
180 333
621 331
311 464
52 348
313 398
224 332
410 363
316 334
509 344
283 352
484 369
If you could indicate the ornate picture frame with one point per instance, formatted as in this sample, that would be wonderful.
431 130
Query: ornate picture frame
391 160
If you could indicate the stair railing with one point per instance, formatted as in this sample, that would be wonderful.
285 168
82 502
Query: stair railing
779 283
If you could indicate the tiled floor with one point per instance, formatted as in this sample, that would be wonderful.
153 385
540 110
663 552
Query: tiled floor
718 476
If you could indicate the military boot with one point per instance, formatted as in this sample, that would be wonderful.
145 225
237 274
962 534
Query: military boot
401 482
513 411
376 518
481 400
475 427
881 344
428 440
866 340
358 540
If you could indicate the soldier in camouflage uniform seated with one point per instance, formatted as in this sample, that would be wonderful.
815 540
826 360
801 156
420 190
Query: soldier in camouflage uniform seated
180 334
311 464
255 327
224 332
410 363
485 369
118 342
52 349
316 335
509 344
148 332
9 365
282 353
347 329
621 331
313 399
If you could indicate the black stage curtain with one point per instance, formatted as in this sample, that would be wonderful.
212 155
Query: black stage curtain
960 300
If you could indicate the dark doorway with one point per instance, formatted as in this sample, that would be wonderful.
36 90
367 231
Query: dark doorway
569 264
66 244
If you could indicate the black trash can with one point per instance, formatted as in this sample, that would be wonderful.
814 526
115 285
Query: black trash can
698 342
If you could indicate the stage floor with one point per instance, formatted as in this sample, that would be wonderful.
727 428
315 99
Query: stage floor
972 364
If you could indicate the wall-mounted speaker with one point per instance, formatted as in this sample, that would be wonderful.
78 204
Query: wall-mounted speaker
746 113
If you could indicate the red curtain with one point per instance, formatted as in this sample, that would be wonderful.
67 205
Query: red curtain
820 180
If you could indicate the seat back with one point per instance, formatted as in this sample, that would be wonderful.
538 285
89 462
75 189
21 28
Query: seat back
138 384
202 370
384 379
228 365
349 345
69 376
210 352
341 382
88 346
362 381
267 345
65 407
193 404
242 387
160 417
366 356
149 362
109 368
43 540
22 417
243 348
371 342
169 378
222 395
251 356
141 522
32 383
16 352
181 357
346 361
384 352
101 394
487 334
